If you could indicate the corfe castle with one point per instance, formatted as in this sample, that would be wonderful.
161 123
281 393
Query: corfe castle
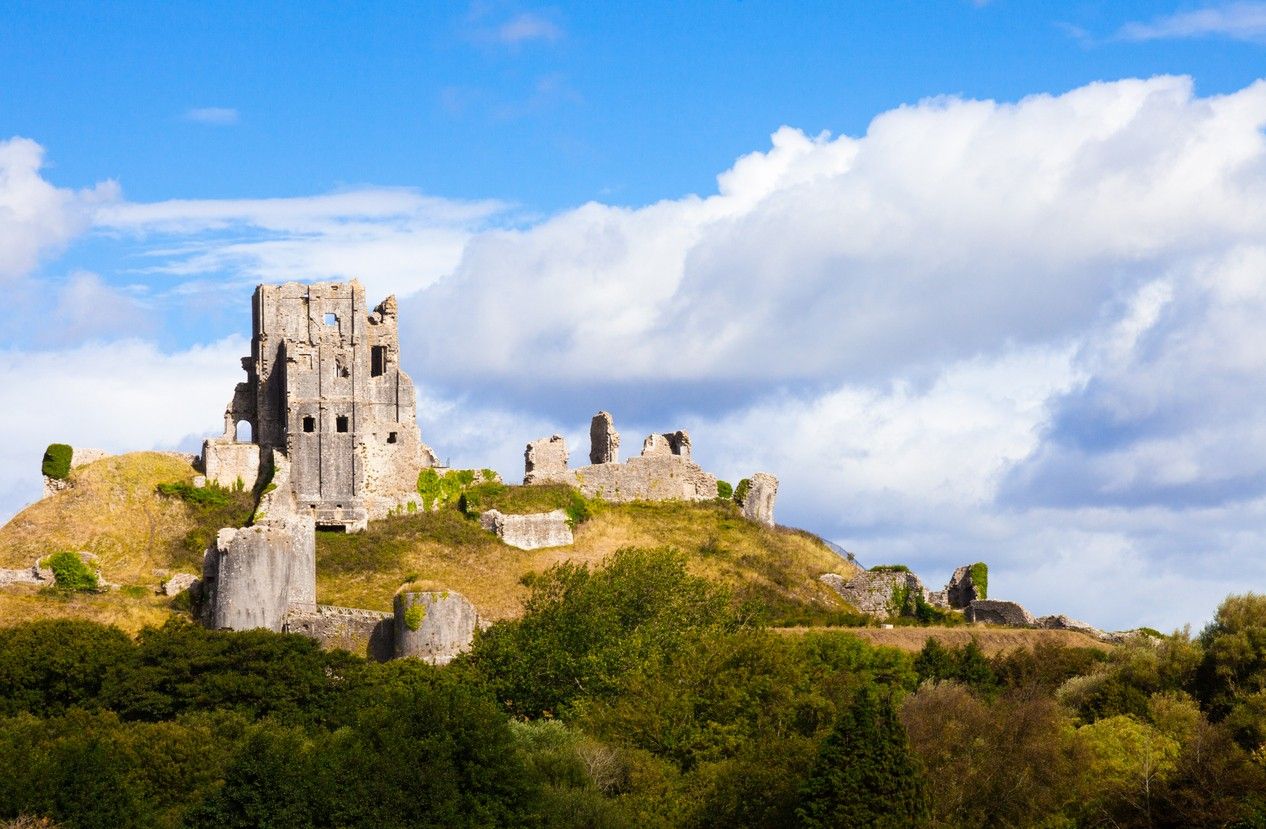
334 444
335 441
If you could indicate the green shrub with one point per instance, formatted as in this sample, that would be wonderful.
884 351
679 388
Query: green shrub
740 491
724 491
70 572
56 463
414 615
980 579
890 568
211 495
437 490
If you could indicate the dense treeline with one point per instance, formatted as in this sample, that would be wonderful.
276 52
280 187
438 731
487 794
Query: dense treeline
632 695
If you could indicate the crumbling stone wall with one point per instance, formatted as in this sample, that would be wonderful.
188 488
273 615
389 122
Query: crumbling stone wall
253 575
532 531
872 591
663 472
545 461
226 462
366 632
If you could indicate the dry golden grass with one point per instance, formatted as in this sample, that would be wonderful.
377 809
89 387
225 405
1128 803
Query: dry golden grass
991 640
446 550
113 511
131 613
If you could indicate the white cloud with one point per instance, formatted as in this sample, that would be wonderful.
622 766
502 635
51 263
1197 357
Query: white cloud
212 116
36 217
953 227
392 239
1240 21
119 396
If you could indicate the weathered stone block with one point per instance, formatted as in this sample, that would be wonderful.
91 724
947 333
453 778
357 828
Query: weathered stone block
252 575
604 440
177 584
758 502
531 531
961 590
993 611
434 626
545 461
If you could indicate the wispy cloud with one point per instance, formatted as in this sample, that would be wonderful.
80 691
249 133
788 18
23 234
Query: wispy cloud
214 116
1240 21
528 26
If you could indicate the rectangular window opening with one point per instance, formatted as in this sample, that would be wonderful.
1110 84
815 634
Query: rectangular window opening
309 424
391 437
340 423
378 361
331 319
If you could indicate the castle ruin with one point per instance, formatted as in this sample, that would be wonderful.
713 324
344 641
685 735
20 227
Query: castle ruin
325 388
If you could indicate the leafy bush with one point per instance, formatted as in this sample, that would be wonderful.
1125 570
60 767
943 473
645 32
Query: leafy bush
414 616
724 491
980 579
211 495
890 568
56 463
437 490
582 630
71 573
740 491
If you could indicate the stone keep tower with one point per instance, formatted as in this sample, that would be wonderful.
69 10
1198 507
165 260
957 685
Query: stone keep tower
324 386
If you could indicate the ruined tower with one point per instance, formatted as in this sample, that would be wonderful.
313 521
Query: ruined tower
325 388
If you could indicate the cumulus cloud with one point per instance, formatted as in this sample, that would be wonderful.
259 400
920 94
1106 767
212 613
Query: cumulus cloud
36 217
1240 21
951 228
212 116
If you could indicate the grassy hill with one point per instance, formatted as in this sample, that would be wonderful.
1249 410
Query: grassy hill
114 511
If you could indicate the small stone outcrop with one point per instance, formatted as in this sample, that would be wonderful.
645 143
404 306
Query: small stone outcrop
545 461
532 531
177 584
35 574
79 456
433 626
758 500
993 611
1062 622
604 440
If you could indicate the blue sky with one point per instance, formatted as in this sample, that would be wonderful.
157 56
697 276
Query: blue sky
976 280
